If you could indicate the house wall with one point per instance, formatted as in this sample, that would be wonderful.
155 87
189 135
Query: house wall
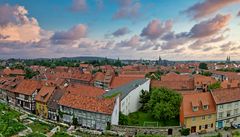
201 121
41 109
131 102
115 113
85 119
3 95
227 113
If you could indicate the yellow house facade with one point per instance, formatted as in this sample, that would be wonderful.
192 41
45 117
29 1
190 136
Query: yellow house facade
42 99
198 112
201 124
42 109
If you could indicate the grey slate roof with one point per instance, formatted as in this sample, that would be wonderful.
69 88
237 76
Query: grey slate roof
125 89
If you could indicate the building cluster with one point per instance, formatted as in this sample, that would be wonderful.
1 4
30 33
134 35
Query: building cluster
93 96
76 95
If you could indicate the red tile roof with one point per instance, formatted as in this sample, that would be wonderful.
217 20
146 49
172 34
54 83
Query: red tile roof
44 94
27 87
122 80
197 99
99 76
222 96
84 90
91 104
9 71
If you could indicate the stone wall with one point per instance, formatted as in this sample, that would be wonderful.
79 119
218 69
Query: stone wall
133 130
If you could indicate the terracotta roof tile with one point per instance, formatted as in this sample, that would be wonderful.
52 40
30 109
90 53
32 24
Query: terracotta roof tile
226 95
27 87
84 90
199 99
44 94
91 104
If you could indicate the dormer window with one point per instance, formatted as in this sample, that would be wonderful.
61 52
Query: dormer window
195 108
205 107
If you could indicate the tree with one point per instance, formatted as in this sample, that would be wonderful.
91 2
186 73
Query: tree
123 120
203 66
29 73
215 85
164 103
144 98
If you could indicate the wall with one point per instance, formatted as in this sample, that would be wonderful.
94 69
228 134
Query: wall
201 122
115 113
132 130
131 102
233 108
41 109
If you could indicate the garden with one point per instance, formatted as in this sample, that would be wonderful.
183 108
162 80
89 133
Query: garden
160 107
9 121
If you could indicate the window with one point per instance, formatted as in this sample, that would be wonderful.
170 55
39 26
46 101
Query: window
206 126
235 111
205 107
229 105
220 107
220 114
193 118
212 125
203 117
209 116
199 127
195 108
229 113
236 104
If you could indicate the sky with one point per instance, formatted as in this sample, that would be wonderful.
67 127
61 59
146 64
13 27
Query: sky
125 29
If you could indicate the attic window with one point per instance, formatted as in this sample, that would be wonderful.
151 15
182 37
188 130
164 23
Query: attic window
205 107
195 108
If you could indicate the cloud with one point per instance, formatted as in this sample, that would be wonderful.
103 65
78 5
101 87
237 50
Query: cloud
128 9
131 43
121 31
155 29
210 27
79 5
226 47
208 7
75 33
17 26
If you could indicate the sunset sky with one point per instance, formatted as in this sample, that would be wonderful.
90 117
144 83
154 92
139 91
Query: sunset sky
125 29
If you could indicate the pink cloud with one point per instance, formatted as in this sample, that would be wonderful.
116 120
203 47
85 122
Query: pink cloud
75 33
208 7
79 5
155 29
128 9
17 26
210 27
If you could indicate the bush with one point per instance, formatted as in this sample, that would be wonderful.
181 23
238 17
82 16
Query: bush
123 120
226 128
185 131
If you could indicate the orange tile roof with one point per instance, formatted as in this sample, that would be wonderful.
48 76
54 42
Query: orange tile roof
27 87
84 90
99 76
91 104
176 85
222 96
122 80
203 79
44 94
8 71
198 98
230 83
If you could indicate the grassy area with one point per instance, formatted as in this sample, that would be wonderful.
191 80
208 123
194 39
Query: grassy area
150 136
139 118
61 134
9 124
39 127
36 135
